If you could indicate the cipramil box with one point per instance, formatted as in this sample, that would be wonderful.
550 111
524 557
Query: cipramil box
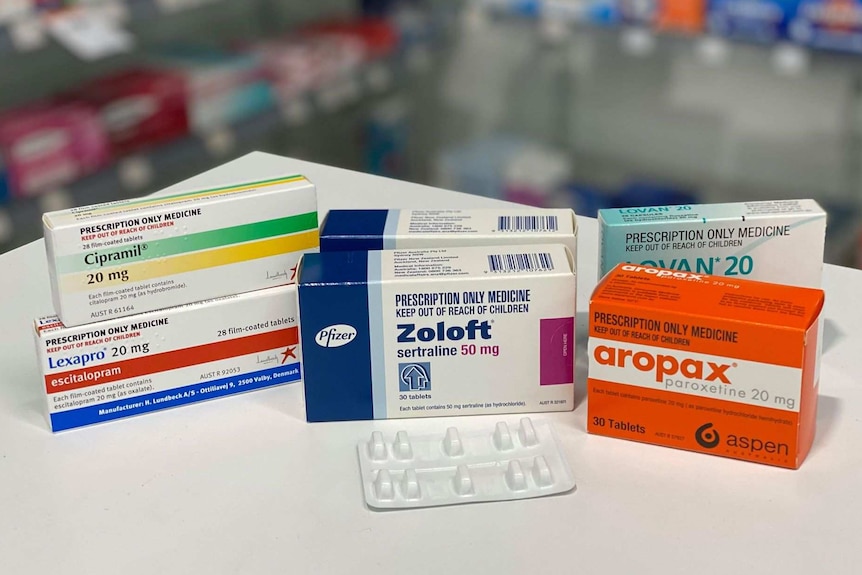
358 230
433 332
133 256
705 363
153 361
773 241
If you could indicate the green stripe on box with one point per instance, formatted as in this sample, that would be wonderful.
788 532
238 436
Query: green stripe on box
192 242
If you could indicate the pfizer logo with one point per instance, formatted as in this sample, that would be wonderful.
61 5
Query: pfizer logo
335 335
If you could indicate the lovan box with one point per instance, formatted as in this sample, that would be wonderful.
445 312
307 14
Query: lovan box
775 241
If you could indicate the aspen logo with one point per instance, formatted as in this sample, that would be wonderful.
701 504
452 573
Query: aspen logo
335 335
757 447
707 437
660 273
664 366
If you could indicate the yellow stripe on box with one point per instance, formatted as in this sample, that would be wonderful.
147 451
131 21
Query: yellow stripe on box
153 269
184 197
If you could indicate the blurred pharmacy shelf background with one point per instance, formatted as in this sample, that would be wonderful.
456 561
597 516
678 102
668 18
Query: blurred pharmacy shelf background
581 103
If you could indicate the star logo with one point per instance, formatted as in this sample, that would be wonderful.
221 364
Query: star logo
288 352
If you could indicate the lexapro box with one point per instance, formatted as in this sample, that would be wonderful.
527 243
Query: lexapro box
153 361
705 363
775 241
128 257
447 331
349 230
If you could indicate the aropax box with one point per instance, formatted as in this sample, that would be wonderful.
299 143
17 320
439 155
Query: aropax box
706 363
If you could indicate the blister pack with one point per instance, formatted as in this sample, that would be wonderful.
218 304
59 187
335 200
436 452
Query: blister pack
454 467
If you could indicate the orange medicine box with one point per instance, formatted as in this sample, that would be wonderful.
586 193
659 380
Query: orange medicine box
705 363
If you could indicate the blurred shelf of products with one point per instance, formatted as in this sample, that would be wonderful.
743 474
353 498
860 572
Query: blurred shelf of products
198 84
581 103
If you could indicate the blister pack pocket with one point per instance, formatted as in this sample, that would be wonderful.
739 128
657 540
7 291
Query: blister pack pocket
463 467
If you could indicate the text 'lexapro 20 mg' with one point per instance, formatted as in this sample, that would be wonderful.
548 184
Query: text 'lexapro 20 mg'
432 332
705 363
149 362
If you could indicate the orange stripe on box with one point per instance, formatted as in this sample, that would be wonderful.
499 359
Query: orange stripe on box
174 359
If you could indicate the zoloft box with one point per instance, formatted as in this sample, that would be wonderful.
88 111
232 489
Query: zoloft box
359 230
775 241
432 332
149 362
705 363
128 257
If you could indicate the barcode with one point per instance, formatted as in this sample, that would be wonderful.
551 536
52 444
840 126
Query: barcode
520 262
527 223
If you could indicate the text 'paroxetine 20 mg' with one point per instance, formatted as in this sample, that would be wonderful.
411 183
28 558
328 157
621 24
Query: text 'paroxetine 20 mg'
705 363
774 241
128 257
432 332
149 362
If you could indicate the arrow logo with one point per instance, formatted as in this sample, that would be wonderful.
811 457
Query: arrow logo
415 377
